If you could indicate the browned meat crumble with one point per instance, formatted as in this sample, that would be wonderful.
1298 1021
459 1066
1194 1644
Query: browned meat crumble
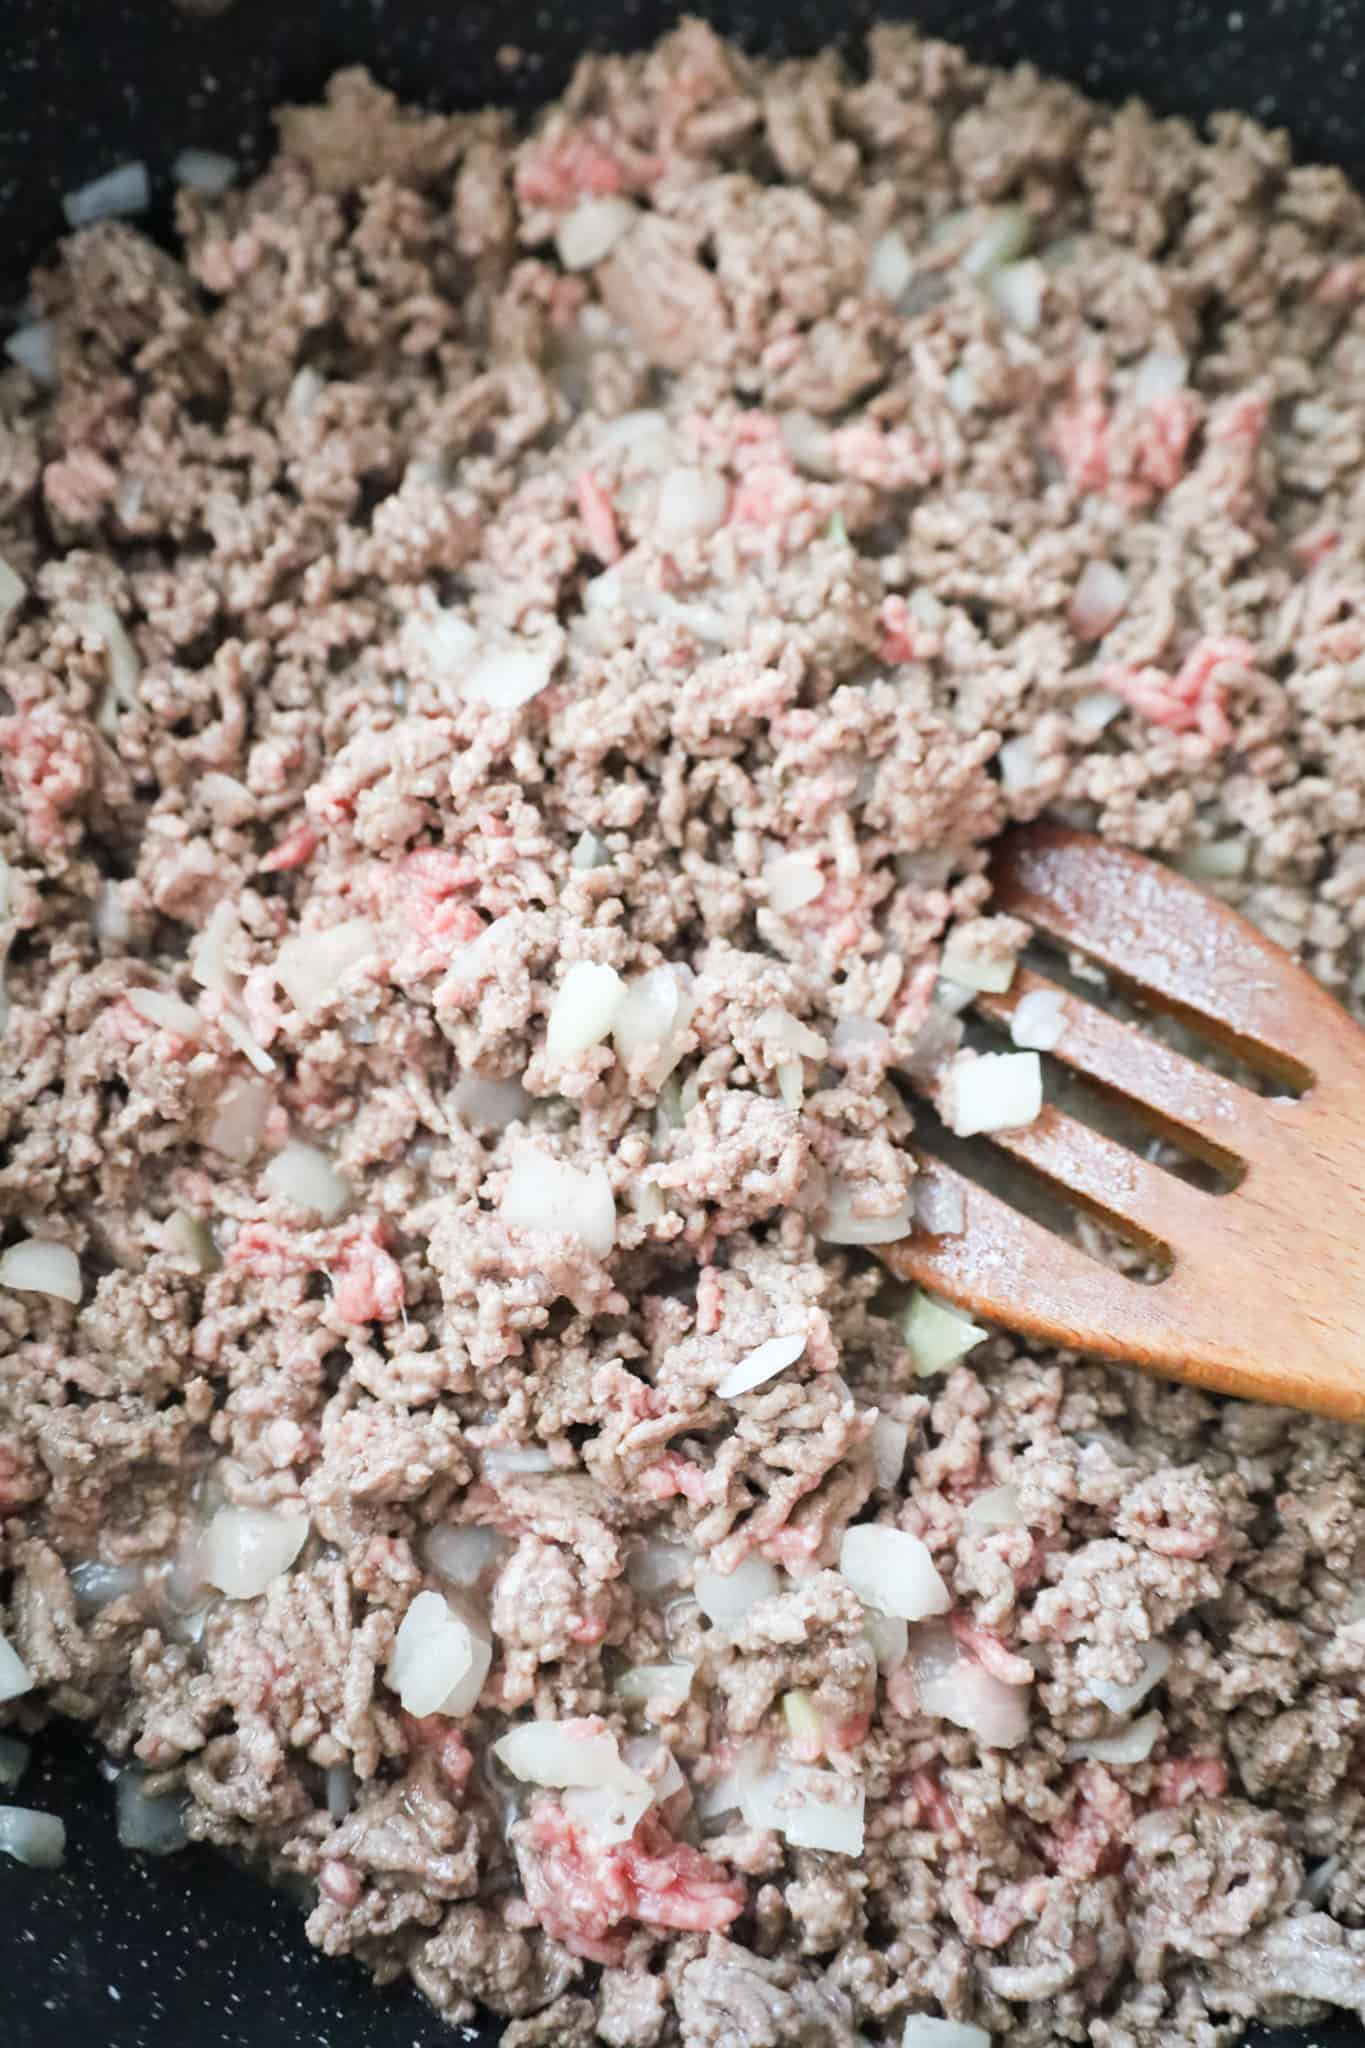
524 642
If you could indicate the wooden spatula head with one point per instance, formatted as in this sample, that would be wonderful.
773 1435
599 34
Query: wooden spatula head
1264 1289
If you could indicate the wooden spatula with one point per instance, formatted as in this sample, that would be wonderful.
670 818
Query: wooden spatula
1265 1292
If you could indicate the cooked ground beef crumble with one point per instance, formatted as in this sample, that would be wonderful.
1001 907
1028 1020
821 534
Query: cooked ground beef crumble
525 641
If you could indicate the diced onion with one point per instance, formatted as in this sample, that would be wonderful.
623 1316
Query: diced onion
485 1104
543 1193
15 1677
584 1009
1160 372
245 1549
691 504
649 1028
726 1597
154 1826
923 2031
38 1839
792 880
992 1091
1215 860
511 1461
656 1764
891 1570
125 190
36 1266
780 1031
957 1689
14 1756
937 1335
11 593
1017 289
961 389
890 1437
1039 1019
208 949
645 437
1098 600
1093 710
995 1507
121 662
34 348
510 676
891 266
438 1662
844 1224
237 1034
811 1809
807 440
669 1684
658 1565
238 1121
588 233
1005 236
977 971
204 170
852 1033
589 852
563 1754
158 1007
1121 1699
889 1635
1132 1744
1020 763
940 1205
762 1364
312 965
805 1722
303 1175
95 1584
609 1813
463 1551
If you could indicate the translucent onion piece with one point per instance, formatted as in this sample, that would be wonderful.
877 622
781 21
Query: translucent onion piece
439 1661
658 1564
588 233
726 1597
1017 290
811 1809
669 1684
1005 236
996 1507
843 1225
312 966
155 1826
589 852
940 1207
543 1193
792 881
889 1635
1215 860
188 1238
1132 1744
15 1678
1121 1699
38 1839
1039 1019
891 1570
509 677
1093 710
937 1335
645 437
584 1008
891 266
992 1091
889 1440
608 1813
34 348
761 1364
923 2031
14 1759
166 1012
1160 372
463 1552
238 1121
96 1585
561 1754
506 1461
485 1104
974 970
303 1175
204 170
36 1266
244 1549
121 191
1098 600
649 1027
956 1689
691 504
782 1032
1020 763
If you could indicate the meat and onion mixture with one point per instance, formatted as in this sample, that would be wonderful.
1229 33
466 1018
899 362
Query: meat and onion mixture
518 642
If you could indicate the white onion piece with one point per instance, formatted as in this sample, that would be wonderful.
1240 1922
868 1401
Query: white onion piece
245 1549
807 440
658 1565
15 1677
589 852
560 1755
1121 1699
992 1091
1132 1744
842 1224
154 1826
889 1635
588 233
509 1461
485 1104
36 1266
1039 1019
11 593
238 1122
937 1335
644 436
961 389
124 190
889 1440
608 1813
311 966
976 971
121 662
438 1662
669 1684
204 170
584 1008
236 1033
1020 763
208 949
691 504
543 1193
1017 289
649 1029
891 1570
95 1584
462 1552
956 1689
34 348
782 1032
1215 860
38 1839
853 1032
14 1756
509 677
1005 236
811 1809
951 998
166 1012
303 1175
1160 372
726 1597
1093 710
940 1205
995 1507
762 1363
792 881
656 1764
890 266
924 2031
1098 600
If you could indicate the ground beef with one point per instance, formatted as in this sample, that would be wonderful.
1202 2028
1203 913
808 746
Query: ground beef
656 549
